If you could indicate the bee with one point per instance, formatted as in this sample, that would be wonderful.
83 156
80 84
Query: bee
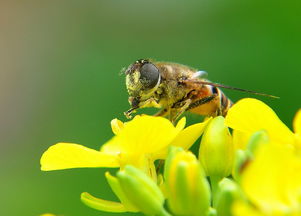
175 88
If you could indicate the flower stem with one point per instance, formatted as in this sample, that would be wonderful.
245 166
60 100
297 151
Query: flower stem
214 180
164 213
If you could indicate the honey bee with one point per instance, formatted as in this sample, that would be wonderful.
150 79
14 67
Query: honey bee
175 88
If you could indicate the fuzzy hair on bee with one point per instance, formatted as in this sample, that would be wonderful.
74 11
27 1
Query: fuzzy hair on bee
175 88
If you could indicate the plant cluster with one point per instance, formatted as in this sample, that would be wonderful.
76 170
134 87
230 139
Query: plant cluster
249 163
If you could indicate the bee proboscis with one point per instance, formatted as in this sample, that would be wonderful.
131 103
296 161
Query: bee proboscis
175 88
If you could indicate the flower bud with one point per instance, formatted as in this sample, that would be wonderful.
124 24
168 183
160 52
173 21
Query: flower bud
216 151
242 157
116 188
188 191
228 192
116 126
141 191
110 206
257 139
240 160
212 212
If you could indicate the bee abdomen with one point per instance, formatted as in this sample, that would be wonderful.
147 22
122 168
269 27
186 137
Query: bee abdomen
225 102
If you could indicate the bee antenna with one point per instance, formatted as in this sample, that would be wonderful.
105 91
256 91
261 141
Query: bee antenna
237 89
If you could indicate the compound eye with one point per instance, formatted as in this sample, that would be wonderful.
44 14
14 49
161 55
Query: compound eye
149 75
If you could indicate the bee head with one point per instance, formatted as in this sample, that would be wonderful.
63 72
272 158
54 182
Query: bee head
142 80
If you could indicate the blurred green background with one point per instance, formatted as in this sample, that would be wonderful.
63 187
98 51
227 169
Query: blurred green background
60 65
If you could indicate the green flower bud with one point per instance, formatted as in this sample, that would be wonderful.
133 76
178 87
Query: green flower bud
228 192
110 206
141 191
188 191
241 158
212 212
217 151
116 188
258 138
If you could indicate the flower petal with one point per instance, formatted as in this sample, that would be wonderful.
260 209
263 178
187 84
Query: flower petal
181 124
112 147
102 205
297 122
272 180
186 138
240 139
251 115
116 126
69 155
240 208
143 135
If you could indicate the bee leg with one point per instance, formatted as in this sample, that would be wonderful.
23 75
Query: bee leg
178 109
128 114
201 101
163 112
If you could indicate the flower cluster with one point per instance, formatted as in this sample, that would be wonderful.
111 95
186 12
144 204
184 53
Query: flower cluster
248 163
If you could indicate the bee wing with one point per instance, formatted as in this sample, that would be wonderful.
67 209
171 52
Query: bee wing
200 74
206 82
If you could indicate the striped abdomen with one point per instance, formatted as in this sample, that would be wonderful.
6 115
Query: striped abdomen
218 105
225 102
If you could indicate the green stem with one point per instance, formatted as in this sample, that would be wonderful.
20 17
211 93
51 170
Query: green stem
164 213
214 180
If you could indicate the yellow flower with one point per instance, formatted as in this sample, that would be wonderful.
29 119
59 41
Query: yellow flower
250 115
138 142
297 128
272 179
272 182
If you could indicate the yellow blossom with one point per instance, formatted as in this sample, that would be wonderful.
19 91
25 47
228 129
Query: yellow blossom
272 181
139 142
250 115
297 128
